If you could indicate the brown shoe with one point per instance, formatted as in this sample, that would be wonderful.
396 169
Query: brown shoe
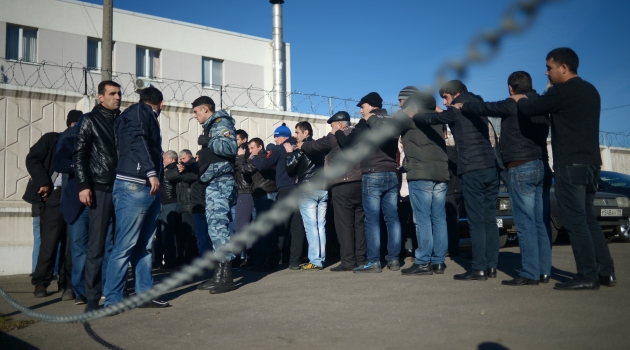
40 292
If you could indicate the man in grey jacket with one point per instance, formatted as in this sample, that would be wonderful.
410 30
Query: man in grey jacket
426 164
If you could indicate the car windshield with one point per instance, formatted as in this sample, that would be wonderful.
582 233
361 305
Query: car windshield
615 179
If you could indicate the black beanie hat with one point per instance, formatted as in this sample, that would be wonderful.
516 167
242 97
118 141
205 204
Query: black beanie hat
73 117
373 99
407 91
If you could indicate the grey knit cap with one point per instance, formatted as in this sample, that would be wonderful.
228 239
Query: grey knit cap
406 92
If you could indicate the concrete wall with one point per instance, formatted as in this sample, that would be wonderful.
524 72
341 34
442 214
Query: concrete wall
27 113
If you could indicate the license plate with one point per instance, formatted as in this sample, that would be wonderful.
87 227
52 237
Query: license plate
611 212
500 222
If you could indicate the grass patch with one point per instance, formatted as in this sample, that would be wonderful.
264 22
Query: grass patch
7 324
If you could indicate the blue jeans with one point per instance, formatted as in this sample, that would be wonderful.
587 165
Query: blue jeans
480 189
200 225
529 186
427 200
136 222
380 190
313 209
37 241
79 234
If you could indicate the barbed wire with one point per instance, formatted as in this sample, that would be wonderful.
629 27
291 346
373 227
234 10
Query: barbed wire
614 139
283 208
78 78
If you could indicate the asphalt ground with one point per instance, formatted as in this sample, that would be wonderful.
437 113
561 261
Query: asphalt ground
341 310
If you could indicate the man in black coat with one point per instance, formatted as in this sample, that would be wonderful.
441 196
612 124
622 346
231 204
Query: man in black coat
524 155
45 190
164 246
574 105
182 175
95 159
480 180
346 195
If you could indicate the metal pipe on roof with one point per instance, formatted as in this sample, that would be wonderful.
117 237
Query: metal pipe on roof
279 74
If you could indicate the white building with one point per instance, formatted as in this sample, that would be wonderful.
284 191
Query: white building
49 64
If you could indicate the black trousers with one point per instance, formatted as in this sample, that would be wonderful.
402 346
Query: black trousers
53 233
453 201
101 221
350 223
186 237
294 226
575 191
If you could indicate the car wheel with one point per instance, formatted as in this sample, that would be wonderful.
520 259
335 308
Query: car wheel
554 233
512 239
503 237
622 232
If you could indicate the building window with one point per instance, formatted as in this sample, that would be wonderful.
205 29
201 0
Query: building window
212 73
21 43
147 62
94 54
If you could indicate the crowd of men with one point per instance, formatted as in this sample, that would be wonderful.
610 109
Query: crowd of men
109 196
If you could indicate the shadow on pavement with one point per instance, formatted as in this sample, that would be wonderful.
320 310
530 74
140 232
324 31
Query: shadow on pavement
97 338
491 346
7 342
37 306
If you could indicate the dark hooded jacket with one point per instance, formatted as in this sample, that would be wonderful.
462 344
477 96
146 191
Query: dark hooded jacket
470 132
522 138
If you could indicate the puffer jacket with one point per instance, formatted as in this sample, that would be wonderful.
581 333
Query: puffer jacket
303 167
95 157
263 181
328 146
384 157
170 192
425 150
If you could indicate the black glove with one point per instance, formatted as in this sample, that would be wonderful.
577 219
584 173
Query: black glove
203 140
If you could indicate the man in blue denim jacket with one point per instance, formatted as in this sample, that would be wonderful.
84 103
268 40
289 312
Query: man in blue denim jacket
136 196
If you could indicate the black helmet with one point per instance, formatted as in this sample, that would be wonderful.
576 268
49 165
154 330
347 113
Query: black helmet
342 116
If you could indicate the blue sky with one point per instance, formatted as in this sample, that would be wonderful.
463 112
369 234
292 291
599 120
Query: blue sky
347 48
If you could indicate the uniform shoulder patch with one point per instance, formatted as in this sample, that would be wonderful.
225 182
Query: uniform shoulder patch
269 154
218 120
226 133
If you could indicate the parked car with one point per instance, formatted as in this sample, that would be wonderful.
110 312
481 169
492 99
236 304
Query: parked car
613 211
618 183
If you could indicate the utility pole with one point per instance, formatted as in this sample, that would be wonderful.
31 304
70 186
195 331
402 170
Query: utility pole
106 44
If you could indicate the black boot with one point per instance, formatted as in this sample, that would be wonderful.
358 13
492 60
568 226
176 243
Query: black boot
213 281
226 284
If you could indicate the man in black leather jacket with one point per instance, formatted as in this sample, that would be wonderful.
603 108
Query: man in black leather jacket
95 159
313 204
524 154
264 195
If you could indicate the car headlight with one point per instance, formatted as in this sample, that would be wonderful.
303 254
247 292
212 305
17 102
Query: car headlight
504 204
623 202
